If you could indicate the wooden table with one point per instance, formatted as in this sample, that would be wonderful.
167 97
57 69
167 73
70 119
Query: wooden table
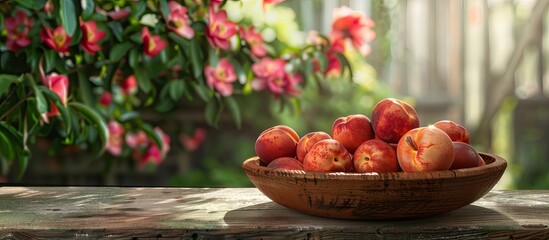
197 213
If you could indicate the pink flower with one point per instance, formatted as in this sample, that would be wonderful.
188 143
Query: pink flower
105 99
48 7
137 140
353 25
116 139
153 153
219 29
270 74
90 37
192 142
57 39
255 40
153 43
119 15
59 84
129 85
179 22
18 28
221 77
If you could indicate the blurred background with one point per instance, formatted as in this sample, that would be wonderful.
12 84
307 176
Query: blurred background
481 63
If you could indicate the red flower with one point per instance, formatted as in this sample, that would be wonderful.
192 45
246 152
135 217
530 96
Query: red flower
270 74
221 77
60 85
192 142
18 28
90 37
105 99
255 40
219 29
153 43
57 39
129 85
179 22
353 25
153 153
116 139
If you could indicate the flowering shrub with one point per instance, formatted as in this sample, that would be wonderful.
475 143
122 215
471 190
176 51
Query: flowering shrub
79 72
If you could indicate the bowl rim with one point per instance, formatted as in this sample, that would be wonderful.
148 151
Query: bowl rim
493 162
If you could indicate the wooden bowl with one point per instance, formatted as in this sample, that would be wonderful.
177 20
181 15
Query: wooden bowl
376 196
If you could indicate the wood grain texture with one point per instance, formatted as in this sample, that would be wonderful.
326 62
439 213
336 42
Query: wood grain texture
190 213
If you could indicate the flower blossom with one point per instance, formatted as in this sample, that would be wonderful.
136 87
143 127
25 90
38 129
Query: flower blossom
137 140
105 99
178 21
153 44
221 77
57 39
116 139
48 7
129 85
219 29
270 74
255 40
90 37
18 28
59 84
353 25
192 142
153 154
119 14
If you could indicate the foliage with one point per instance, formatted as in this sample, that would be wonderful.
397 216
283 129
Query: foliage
81 73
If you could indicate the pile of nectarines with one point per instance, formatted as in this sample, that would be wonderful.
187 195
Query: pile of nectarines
391 141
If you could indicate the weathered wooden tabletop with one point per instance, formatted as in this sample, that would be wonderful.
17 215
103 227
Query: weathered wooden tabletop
195 213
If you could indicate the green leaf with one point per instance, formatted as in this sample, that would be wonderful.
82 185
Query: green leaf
116 29
143 79
5 81
201 91
23 162
345 63
34 4
139 9
165 9
88 10
197 59
213 112
95 120
67 12
128 116
239 71
6 148
133 58
157 139
234 109
119 50
50 58
177 87
41 102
